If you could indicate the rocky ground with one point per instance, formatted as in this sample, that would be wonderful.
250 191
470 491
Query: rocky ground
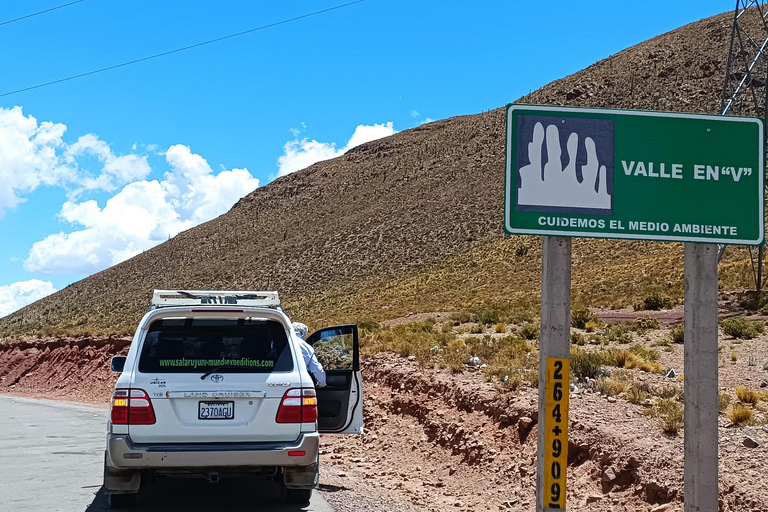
437 440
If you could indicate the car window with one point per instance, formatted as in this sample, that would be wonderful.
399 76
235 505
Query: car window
192 345
334 349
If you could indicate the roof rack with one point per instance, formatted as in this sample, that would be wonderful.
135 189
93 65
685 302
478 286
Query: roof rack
214 297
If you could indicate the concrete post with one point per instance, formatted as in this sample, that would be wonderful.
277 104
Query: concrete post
555 331
701 404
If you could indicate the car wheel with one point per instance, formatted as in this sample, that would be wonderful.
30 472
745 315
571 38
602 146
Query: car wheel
297 496
119 501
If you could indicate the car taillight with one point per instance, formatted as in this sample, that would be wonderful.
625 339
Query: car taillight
298 406
132 407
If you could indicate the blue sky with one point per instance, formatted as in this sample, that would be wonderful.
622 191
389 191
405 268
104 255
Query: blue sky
97 169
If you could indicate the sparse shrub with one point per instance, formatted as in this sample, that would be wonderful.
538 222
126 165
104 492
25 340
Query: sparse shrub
610 387
747 396
416 339
520 314
461 317
677 333
476 328
487 316
644 353
723 400
664 391
620 333
654 302
578 338
507 358
368 324
636 358
530 331
586 364
740 415
651 367
635 395
590 326
670 415
626 359
447 328
646 323
742 328
501 327
663 343
425 326
734 357
580 316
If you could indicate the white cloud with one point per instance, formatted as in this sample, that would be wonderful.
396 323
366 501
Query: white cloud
28 157
140 216
34 155
300 154
116 171
17 295
414 113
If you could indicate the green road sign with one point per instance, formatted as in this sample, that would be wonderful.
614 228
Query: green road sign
605 173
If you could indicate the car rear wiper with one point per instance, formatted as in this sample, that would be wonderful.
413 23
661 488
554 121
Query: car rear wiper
217 369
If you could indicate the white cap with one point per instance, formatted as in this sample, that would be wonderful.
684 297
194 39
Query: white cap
300 329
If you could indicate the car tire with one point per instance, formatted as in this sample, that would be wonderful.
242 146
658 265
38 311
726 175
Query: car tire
121 501
297 496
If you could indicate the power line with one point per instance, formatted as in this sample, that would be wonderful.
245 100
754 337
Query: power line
40 12
177 50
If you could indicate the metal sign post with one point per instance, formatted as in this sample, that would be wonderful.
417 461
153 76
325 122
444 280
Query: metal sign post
554 369
701 405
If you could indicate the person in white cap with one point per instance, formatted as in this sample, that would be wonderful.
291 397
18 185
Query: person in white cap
314 367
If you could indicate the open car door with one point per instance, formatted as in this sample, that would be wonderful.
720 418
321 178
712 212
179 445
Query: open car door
340 402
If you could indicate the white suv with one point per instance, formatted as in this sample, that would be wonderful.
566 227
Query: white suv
214 386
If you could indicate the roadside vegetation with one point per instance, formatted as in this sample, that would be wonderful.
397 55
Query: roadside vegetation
508 359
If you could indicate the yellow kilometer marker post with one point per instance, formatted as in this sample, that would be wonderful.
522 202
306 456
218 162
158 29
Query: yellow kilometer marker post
556 434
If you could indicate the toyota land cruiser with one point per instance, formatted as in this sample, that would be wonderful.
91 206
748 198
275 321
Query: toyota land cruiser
214 386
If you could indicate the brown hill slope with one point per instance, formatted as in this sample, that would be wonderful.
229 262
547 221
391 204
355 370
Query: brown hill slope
410 222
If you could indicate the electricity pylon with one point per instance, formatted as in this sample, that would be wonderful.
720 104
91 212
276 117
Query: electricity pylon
744 90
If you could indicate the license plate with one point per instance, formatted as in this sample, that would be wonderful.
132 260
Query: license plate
216 410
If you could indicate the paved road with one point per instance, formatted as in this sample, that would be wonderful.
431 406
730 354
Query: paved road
52 457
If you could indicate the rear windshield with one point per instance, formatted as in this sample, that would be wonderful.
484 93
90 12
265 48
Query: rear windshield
190 345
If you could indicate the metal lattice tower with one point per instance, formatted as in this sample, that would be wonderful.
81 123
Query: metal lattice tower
746 75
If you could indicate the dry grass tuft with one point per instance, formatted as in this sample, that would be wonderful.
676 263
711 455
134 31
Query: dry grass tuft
740 415
581 316
610 386
747 396
677 333
636 395
626 359
669 413
723 401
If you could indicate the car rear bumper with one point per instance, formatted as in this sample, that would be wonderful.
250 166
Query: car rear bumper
122 453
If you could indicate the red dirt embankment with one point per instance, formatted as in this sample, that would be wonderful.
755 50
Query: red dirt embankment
75 369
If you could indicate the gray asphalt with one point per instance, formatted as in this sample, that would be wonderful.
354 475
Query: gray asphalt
52 458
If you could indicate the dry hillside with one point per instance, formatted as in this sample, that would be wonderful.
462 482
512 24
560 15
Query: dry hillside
412 222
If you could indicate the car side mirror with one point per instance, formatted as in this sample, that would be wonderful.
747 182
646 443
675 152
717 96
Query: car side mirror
117 364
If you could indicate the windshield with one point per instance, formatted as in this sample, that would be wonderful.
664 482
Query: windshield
193 345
